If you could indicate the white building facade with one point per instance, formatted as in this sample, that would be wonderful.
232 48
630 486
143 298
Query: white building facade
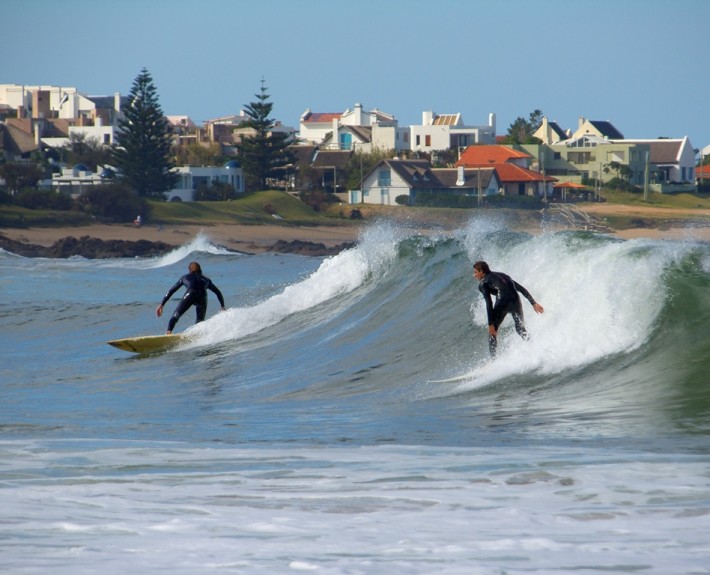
192 177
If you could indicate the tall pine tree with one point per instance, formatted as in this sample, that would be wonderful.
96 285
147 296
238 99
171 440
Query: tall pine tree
144 141
265 153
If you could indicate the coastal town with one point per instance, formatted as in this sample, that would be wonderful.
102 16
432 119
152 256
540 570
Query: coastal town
443 154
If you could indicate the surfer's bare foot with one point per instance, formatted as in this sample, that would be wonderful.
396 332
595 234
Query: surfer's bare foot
168 332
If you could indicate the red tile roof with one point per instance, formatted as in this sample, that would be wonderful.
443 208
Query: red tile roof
511 173
570 185
474 156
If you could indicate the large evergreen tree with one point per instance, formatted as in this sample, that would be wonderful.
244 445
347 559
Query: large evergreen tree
144 141
265 153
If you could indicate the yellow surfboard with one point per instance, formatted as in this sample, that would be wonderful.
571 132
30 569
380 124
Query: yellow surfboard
149 343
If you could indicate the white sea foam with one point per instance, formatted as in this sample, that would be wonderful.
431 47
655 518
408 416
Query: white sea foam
598 301
390 510
336 276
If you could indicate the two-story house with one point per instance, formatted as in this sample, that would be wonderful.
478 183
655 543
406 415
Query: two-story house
50 115
448 131
352 129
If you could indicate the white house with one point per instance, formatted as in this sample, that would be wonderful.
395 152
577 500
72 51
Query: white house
671 160
390 179
350 129
192 177
448 131
76 179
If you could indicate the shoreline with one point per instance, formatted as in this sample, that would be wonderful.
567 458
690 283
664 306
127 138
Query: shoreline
250 239
256 239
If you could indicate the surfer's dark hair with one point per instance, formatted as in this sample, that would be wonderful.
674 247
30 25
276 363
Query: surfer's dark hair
482 267
194 267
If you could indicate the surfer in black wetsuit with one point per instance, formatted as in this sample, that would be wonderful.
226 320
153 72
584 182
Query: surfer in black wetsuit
508 301
196 294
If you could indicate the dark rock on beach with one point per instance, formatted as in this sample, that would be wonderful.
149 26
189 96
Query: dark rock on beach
95 248
304 248
87 247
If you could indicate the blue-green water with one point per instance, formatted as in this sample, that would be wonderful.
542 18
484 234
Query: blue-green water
304 428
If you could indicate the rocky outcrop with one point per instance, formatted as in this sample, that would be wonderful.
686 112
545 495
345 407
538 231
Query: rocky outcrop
303 248
94 248
87 247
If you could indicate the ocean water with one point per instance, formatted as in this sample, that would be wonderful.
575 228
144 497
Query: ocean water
308 429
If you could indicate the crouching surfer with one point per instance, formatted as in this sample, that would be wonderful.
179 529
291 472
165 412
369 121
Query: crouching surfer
507 302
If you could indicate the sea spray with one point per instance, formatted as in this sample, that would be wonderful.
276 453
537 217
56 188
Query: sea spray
336 276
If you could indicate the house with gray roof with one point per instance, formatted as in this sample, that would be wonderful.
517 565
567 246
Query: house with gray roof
671 164
599 128
550 132
393 178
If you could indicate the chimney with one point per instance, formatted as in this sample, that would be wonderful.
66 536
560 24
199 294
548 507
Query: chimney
460 177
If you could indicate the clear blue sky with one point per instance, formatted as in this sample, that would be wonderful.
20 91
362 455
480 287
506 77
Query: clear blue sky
641 64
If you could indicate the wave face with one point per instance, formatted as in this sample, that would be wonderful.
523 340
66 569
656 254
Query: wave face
308 427
397 323
622 342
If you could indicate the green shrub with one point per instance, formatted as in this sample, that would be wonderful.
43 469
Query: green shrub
34 199
114 203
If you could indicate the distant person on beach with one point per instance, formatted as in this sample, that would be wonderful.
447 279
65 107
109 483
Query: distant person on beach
507 302
196 294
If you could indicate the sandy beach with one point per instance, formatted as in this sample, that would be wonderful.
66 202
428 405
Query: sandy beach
259 238
244 238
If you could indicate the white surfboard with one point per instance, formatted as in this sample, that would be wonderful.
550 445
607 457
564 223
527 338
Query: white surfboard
149 343
456 379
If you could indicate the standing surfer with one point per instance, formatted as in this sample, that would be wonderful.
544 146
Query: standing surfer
507 301
196 294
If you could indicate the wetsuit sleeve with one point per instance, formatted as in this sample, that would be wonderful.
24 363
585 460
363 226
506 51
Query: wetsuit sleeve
215 290
171 291
525 293
483 288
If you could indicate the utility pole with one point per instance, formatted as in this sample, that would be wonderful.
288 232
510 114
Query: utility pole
645 180
480 193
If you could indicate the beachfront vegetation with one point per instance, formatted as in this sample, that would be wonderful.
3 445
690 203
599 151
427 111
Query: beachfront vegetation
143 154
277 207
265 153
521 130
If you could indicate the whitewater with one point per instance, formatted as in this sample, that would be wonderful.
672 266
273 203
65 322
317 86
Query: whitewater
342 416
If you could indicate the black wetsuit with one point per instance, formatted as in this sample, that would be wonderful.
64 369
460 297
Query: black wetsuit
196 294
508 301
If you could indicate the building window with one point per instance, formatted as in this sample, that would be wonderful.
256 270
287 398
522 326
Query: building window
384 177
427 141
579 157
417 140
557 156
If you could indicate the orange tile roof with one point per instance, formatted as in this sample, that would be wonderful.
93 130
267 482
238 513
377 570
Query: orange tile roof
570 185
511 173
482 155
703 171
